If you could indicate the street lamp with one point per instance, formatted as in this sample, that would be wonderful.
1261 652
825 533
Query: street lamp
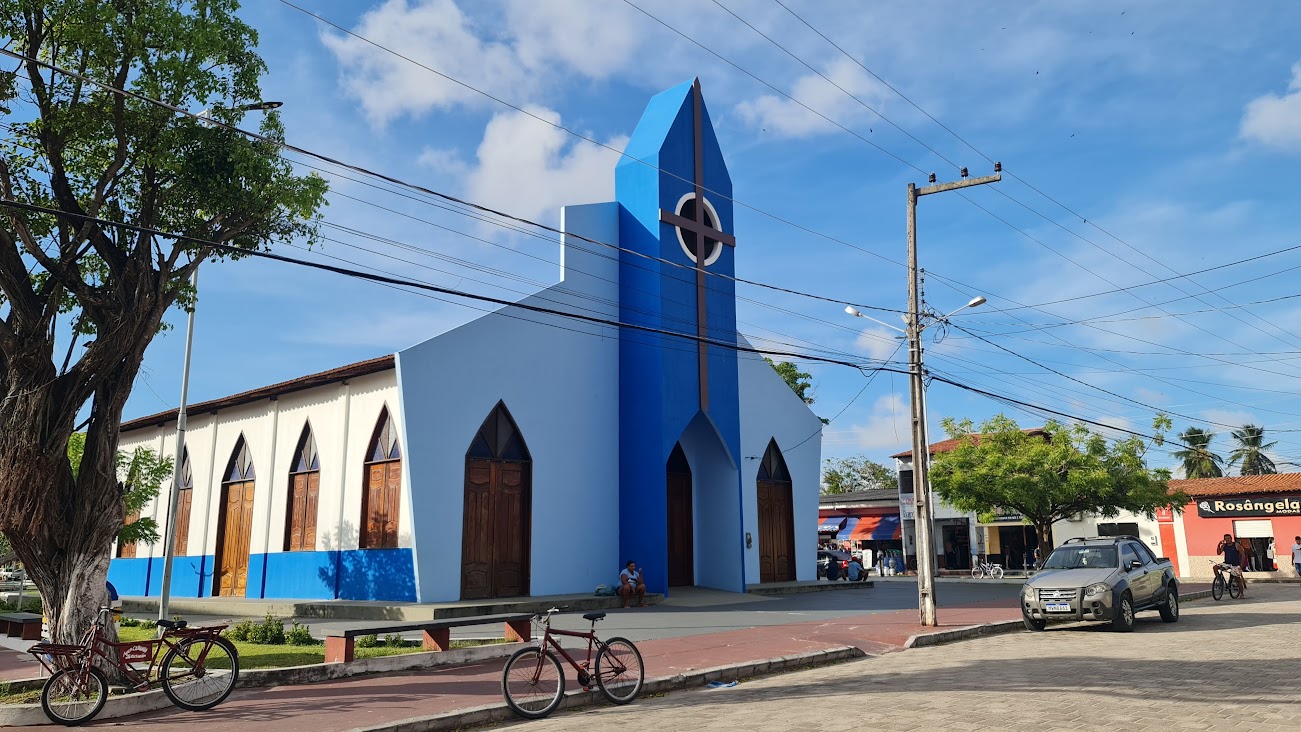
178 465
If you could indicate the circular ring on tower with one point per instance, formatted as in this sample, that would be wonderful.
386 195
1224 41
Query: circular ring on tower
686 208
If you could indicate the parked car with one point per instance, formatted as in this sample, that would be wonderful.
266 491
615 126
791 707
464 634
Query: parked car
826 556
1103 579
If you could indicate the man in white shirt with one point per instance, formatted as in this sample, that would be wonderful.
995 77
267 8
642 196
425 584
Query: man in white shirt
1296 556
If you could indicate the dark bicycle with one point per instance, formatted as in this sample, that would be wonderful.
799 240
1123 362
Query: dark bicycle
533 682
197 671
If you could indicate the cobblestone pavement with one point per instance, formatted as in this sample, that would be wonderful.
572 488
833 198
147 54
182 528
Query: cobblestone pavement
1231 665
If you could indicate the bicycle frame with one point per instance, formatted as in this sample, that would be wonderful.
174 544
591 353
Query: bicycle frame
593 644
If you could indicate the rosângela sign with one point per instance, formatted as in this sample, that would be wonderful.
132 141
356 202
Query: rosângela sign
1275 505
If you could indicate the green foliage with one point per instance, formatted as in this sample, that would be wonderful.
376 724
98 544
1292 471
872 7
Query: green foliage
31 604
143 474
798 381
393 640
299 635
846 475
1196 455
367 641
1250 451
242 631
1066 470
270 632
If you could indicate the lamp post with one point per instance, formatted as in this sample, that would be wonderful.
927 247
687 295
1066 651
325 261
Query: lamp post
178 464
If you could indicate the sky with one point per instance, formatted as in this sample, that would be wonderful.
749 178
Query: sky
1140 142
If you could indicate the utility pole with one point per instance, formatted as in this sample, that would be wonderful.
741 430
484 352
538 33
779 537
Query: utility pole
178 466
916 396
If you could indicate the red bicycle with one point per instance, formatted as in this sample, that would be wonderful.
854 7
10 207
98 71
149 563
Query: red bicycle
197 672
533 681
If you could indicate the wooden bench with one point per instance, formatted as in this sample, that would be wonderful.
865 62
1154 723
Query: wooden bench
437 633
26 626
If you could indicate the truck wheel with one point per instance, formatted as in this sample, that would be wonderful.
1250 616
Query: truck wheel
1170 608
1123 620
1034 624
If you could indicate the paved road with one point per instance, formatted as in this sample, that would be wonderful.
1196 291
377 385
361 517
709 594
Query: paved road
1224 666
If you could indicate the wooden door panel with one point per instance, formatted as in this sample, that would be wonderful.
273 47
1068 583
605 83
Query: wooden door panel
294 529
681 534
764 499
181 543
236 526
476 532
375 475
509 551
783 534
392 503
310 506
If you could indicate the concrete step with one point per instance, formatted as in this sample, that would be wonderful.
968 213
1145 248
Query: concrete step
239 607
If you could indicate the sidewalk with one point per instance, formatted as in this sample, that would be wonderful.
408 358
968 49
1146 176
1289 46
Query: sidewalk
366 702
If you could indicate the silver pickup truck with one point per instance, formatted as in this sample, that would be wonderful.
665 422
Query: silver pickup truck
1105 579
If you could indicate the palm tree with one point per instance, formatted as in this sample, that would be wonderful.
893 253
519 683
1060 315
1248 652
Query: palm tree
1199 461
1250 453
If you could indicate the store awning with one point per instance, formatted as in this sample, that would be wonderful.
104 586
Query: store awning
850 524
876 528
831 525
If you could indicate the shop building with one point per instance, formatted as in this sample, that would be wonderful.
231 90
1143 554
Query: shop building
862 521
1264 511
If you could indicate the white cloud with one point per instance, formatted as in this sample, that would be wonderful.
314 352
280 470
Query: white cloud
877 342
532 169
887 427
1273 120
443 160
541 41
781 116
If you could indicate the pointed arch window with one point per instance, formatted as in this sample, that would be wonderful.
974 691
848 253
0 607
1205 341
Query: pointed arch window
773 466
304 494
381 499
240 469
498 438
184 502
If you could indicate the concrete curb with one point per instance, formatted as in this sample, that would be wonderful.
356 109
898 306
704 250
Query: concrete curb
796 589
490 713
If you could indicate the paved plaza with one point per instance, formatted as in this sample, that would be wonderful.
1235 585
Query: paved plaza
1225 666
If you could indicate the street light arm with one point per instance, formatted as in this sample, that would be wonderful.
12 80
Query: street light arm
854 312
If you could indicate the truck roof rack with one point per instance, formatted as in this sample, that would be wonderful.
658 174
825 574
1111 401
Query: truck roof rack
1116 537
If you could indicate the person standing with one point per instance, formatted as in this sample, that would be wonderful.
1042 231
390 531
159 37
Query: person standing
1296 556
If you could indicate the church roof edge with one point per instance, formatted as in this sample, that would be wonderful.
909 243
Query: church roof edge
342 373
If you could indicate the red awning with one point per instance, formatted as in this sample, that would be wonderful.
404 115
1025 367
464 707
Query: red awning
881 528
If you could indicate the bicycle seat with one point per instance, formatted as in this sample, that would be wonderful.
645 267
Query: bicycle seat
173 624
593 616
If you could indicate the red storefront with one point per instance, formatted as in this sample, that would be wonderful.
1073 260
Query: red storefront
1263 511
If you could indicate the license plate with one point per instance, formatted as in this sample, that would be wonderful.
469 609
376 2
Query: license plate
1057 607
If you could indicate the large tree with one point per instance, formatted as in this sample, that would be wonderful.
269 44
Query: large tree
1249 453
1047 477
82 300
846 475
798 381
1196 455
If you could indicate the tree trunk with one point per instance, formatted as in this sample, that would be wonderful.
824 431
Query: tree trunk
1046 545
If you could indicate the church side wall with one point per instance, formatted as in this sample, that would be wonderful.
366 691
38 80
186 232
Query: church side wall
272 428
559 380
770 410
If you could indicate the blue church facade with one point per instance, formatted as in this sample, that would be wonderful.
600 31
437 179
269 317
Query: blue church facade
523 453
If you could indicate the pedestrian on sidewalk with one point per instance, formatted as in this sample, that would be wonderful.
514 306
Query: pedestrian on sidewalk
1296 556
632 583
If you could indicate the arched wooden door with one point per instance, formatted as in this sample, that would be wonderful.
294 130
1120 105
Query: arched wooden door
304 495
497 524
381 502
681 539
235 524
776 518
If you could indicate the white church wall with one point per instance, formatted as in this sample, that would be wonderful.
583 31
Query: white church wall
560 385
770 410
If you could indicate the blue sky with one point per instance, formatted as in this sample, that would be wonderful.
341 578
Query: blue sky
1172 131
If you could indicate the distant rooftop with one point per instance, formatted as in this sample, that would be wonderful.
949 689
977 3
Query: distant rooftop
1238 484
877 494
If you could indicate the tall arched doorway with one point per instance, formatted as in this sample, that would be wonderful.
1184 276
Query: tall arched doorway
235 524
681 540
184 504
498 511
381 502
304 495
776 518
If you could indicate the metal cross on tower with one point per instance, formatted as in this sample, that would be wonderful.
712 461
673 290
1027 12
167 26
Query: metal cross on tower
702 226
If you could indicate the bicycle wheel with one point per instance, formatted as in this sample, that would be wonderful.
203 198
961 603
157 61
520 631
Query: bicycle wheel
74 695
1235 587
619 670
199 674
977 572
533 683
997 573
1217 587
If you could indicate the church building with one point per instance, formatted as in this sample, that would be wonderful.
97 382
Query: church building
525 452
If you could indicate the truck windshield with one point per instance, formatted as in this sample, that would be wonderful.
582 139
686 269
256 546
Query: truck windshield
1075 557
